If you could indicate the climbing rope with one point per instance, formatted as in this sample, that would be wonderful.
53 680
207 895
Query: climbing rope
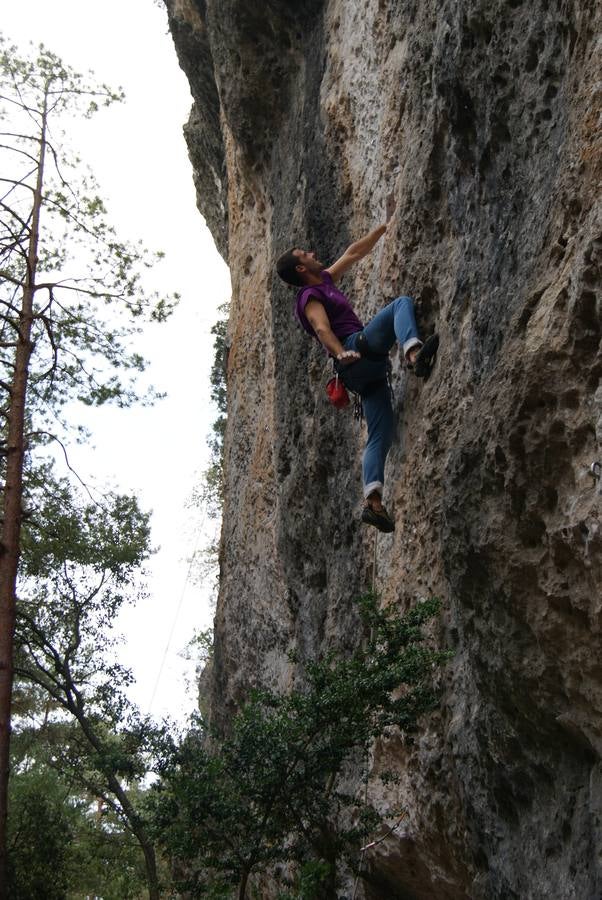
199 534
363 849
374 561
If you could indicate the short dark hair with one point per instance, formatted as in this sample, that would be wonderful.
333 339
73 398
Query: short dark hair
286 266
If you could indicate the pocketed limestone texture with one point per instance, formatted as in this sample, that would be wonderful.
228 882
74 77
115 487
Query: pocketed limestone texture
483 121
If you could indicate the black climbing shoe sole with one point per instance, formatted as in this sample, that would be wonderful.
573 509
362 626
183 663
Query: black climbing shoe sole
426 357
381 520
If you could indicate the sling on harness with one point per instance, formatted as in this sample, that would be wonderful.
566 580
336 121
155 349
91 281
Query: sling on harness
355 381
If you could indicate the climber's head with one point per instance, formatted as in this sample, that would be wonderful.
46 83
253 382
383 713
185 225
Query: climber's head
299 267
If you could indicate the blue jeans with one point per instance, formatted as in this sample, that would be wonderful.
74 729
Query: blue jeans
368 378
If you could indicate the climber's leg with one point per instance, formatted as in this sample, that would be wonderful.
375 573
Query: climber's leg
396 322
381 428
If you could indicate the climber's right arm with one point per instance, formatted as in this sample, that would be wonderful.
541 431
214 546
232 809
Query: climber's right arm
355 252
317 318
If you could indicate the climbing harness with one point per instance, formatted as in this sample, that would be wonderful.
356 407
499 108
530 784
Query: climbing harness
368 389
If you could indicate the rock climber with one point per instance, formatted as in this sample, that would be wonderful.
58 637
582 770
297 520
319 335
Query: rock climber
360 351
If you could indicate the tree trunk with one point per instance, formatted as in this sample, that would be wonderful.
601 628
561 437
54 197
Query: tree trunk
242 888
76 707
139 831
75 704
10 546
325 848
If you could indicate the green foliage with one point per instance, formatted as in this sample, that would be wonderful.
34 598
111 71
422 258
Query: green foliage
41 831
310 880
106 861
271 790
80 564
62 841
210 494
72 300
88 292
67 528
218 369
200 649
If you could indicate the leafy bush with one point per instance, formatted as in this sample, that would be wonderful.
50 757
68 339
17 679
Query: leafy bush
270 791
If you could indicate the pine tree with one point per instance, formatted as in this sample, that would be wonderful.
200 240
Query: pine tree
71 297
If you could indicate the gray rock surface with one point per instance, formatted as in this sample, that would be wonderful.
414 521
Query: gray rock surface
482 120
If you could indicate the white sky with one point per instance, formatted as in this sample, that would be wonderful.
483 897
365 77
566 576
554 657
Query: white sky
137 152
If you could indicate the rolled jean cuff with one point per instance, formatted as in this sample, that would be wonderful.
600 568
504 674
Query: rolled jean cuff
373 486
411 342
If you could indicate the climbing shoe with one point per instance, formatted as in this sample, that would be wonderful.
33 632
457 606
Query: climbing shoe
381 519
426 357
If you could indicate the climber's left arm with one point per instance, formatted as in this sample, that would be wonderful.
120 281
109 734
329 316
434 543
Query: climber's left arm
355 252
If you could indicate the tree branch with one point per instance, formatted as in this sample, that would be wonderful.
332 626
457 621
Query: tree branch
55 352
53 437
10 211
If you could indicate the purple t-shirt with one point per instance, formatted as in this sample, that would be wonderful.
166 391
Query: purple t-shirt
341 316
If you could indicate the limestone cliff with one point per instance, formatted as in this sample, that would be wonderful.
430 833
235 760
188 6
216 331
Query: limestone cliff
482 119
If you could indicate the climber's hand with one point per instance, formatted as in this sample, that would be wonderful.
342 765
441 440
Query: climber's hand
347 357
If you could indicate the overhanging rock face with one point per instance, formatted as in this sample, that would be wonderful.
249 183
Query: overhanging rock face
482 121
